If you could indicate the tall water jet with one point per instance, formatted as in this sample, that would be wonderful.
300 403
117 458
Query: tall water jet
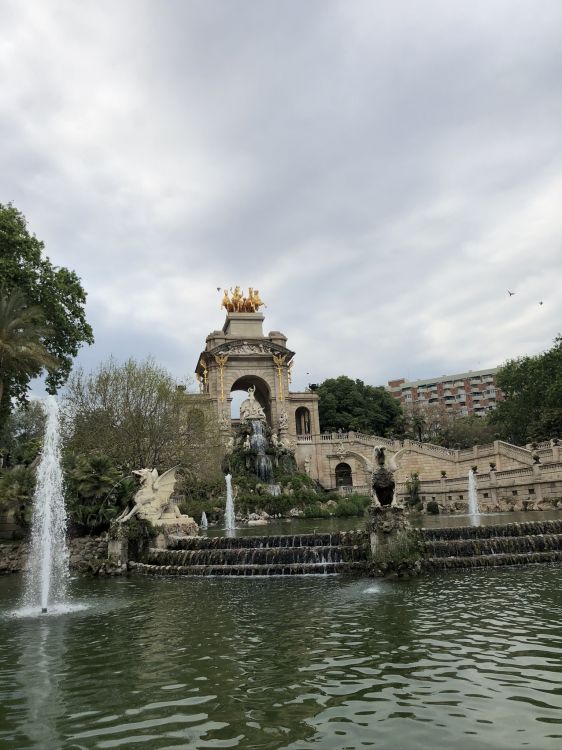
229 518
48 561
473 507
204 522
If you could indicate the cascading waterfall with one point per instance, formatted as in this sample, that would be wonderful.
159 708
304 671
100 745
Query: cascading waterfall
204 522
473 507
258 441
229 518
48 564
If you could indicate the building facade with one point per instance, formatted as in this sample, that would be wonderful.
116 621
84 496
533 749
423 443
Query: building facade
473 392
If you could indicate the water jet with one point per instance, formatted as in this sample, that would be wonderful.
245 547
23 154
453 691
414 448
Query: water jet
48 561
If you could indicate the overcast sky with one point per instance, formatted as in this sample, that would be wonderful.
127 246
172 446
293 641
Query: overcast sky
383 172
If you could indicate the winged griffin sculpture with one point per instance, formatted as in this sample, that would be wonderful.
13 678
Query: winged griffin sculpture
383 477
152 501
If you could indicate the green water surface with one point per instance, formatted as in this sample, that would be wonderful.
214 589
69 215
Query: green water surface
468 660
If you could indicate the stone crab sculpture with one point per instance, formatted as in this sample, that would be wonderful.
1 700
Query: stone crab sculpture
154 503
383 478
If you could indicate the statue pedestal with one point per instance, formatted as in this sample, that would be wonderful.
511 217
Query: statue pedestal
384 525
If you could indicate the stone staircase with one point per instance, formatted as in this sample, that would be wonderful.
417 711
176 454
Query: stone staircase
490 546
303 554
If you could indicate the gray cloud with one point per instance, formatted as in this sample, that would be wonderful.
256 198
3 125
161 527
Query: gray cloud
382 172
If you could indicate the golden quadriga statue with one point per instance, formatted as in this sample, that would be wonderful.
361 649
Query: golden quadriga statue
237 302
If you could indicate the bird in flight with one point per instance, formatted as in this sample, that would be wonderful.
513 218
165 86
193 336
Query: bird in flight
540 303
510 293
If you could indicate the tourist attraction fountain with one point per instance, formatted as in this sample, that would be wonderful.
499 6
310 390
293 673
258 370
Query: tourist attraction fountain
204 522
47 573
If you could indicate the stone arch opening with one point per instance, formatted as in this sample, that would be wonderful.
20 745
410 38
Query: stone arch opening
239 392
302 421
344 475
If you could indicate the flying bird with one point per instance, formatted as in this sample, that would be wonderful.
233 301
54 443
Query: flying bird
510 293
540 303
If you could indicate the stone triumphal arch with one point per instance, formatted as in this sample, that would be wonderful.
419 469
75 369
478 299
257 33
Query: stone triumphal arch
240 357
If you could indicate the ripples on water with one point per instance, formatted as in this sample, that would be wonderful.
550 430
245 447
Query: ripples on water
471 660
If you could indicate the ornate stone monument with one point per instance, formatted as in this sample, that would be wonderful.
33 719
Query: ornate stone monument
241 358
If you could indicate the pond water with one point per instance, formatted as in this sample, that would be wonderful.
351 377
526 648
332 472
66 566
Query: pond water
471 660
325 525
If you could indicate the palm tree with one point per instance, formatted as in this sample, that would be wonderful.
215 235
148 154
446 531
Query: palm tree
22 333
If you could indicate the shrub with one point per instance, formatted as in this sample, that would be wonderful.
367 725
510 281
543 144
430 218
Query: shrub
316 511
432 508
413 492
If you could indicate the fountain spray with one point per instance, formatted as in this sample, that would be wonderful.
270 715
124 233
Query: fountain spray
48 562
229 517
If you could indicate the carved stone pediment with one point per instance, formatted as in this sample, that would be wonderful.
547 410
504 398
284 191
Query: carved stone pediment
249 347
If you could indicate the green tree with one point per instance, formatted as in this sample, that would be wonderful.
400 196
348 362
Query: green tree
96 491
532 390
135 414
465 432
16 493
23 354
351 405
22 434
55 290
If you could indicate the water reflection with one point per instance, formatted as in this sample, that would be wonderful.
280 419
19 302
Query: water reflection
471 658
40 672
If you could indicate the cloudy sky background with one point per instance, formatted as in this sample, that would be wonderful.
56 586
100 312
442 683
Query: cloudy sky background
382 171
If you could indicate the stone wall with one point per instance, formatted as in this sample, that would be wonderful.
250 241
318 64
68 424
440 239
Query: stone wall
424 459
87 555
536 487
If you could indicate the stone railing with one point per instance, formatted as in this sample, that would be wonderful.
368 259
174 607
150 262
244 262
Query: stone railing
361 437
545 452
515 452
359 489
551 467
523 472
304 438
437 450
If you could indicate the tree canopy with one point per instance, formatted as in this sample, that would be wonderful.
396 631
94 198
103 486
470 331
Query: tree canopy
348 404
532 405
54 291
445 425
136 416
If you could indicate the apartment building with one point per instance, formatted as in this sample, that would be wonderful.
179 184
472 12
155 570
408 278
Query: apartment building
475 392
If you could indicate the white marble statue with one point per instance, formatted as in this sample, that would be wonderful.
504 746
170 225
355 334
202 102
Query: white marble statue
247 444
283 420
274 440
250 408
153 501
288 445
307 462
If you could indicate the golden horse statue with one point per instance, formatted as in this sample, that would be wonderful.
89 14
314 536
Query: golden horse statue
240 303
